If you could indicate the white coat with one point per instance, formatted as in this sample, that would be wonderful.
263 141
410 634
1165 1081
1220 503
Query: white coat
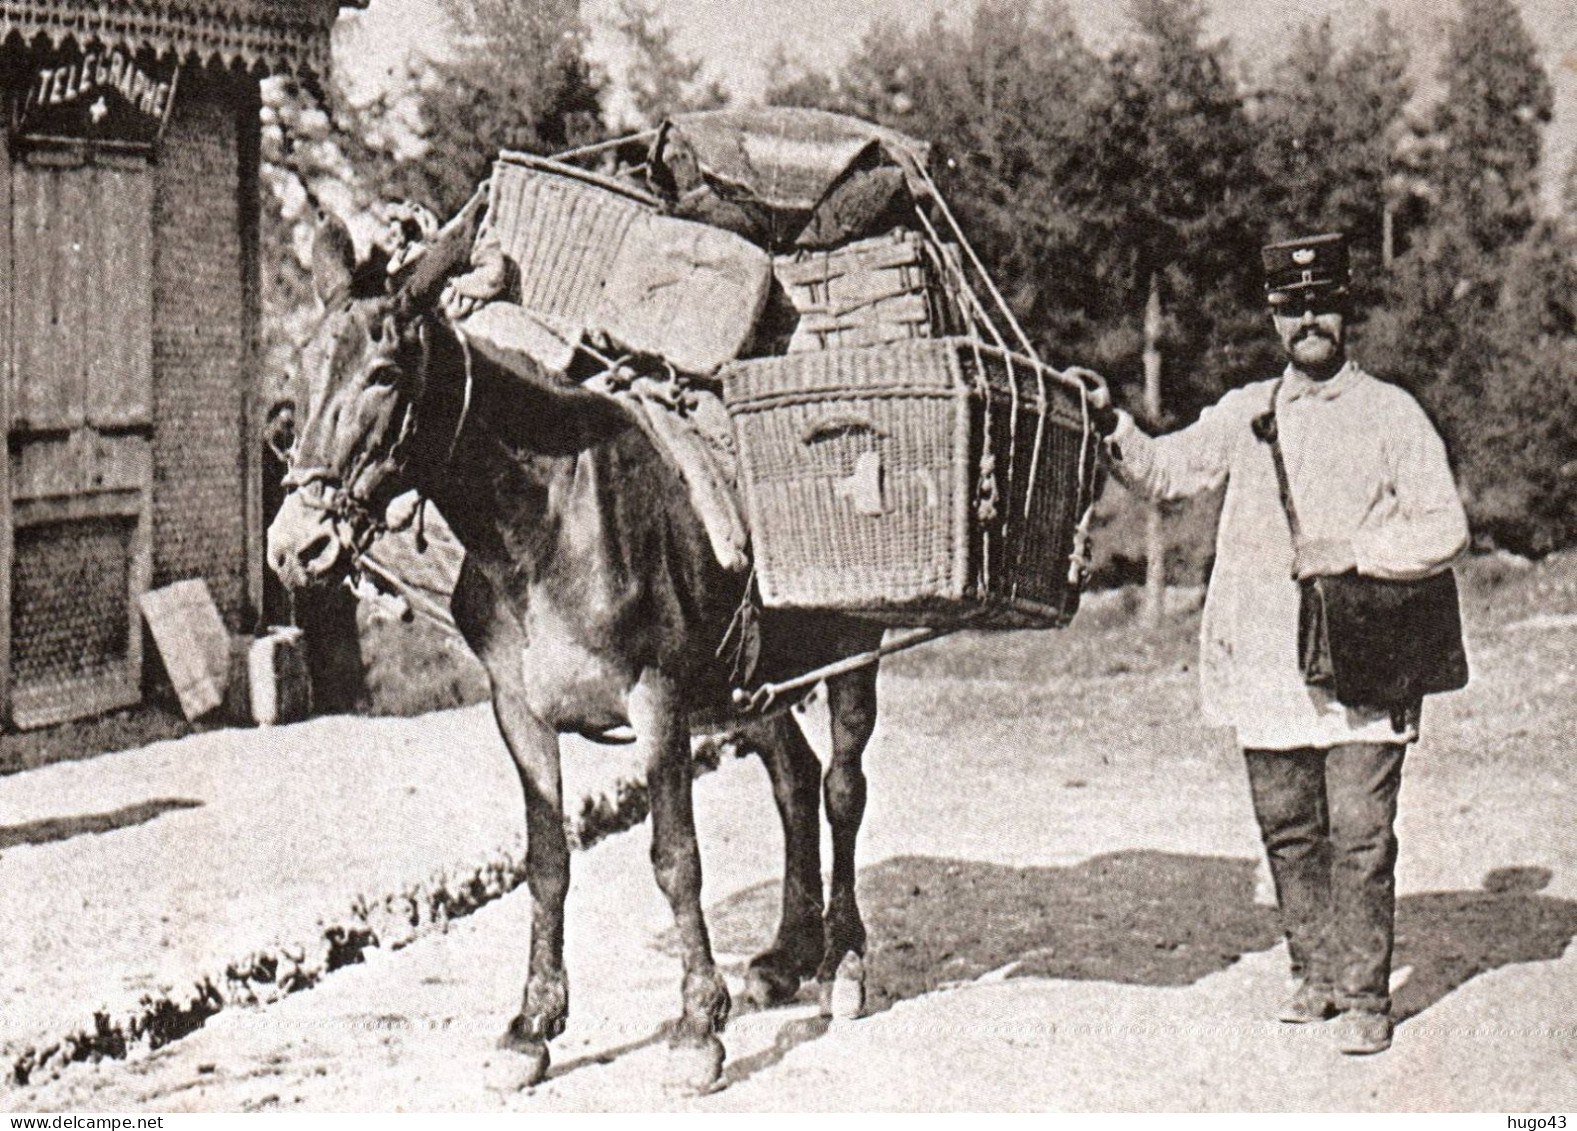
1366 466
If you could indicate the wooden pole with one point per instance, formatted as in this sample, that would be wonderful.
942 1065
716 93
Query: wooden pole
1154 608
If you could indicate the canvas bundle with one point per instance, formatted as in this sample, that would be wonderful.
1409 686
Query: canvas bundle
786 177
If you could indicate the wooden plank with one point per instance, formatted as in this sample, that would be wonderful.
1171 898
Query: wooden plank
33 707
247 100
70 508
71 344
47 465
193 642
46 395
116 311
7 369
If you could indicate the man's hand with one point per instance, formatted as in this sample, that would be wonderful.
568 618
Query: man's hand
458 305
1103 414
1322 557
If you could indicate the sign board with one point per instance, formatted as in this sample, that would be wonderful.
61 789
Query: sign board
114 96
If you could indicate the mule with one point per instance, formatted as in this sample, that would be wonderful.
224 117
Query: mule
592 597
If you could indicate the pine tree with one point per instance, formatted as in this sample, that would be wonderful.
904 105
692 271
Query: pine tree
1330 123
1183 205
1519 453
1489 124
1455 327
1177 240
517 78
661 80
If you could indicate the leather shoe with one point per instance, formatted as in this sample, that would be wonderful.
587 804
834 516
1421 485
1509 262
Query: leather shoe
1363 1032
1307 1003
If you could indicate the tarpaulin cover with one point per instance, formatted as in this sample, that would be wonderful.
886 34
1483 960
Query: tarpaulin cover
786 175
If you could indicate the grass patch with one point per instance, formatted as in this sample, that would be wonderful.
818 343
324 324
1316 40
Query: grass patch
412 668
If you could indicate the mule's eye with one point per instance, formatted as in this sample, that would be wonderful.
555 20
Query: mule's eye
386 375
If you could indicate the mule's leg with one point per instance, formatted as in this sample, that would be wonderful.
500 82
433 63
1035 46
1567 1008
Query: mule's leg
658 718
545 1006
851 699
495 636
775 974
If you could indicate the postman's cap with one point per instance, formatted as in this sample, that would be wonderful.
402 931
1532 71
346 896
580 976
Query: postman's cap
1300 266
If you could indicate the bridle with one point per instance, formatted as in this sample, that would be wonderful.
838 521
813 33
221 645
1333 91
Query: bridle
356 521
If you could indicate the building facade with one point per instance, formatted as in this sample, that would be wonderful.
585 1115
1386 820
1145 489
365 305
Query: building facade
129 273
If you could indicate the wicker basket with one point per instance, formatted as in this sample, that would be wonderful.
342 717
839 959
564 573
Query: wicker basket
564 227
866 293
593 254
931 482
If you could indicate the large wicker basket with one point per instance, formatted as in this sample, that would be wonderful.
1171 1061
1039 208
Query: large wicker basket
593 253
564 228
930 482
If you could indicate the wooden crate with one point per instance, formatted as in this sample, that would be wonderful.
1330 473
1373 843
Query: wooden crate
931 482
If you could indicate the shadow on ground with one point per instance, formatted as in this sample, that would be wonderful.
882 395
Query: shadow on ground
64 828
1451 937
1140 918
1146 918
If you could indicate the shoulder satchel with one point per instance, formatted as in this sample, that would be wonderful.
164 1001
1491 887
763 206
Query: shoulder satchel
1369 641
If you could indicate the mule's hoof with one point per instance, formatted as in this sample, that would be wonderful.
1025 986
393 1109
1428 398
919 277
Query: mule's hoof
693 1068
517 1065
843 998
766 987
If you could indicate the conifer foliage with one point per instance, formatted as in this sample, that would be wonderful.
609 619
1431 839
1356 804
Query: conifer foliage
662 80
1085 177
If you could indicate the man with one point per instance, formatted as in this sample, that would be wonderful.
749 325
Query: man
1373 493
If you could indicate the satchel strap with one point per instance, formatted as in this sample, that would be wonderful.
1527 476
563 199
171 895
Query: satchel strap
1265 427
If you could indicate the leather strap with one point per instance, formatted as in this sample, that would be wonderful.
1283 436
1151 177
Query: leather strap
1267 430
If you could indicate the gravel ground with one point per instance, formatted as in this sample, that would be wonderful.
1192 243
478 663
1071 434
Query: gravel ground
1147 987
153 886
1059 870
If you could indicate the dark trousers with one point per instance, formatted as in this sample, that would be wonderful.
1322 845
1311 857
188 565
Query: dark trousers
1327 818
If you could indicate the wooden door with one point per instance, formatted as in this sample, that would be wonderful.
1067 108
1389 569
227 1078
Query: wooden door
79 422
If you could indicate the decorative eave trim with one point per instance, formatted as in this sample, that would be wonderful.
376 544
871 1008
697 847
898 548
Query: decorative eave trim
258 35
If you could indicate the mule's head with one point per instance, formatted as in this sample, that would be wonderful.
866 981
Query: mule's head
356 402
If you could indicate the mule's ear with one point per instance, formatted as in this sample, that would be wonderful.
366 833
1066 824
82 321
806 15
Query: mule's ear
333 260
447 251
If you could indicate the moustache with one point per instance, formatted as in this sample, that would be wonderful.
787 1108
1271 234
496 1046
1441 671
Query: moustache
1312 333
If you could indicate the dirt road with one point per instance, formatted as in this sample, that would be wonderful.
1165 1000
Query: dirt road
1061 880
1058 873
